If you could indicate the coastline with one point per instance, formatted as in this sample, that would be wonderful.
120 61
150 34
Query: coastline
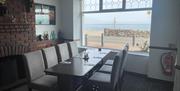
116 38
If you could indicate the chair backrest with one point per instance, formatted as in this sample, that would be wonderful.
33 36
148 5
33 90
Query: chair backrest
124 60
73 48
34 65
116 69
126 46
63 52
50 56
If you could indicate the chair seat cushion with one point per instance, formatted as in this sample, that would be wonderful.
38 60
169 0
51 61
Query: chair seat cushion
109 62
101 77
45 83
106 69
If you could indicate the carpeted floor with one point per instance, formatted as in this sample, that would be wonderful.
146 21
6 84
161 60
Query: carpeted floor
134 82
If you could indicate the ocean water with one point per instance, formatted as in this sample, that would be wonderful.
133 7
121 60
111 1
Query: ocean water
100 27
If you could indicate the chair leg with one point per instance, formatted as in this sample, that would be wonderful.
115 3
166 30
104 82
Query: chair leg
29 89
94 86
7 90
120 86
120 83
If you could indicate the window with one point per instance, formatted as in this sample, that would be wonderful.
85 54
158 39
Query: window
117 22
130 4
112 4
91 5
45 14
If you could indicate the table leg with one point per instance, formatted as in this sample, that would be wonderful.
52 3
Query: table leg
66 83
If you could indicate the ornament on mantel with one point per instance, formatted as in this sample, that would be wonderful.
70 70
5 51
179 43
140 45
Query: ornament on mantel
2 2
3 7
13 19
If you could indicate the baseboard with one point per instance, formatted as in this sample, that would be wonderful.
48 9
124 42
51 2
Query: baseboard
136 74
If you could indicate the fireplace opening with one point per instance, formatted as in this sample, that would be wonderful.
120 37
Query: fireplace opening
12 71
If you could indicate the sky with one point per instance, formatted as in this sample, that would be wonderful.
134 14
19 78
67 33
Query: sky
137 17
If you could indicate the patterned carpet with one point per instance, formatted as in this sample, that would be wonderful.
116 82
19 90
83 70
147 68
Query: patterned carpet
134 82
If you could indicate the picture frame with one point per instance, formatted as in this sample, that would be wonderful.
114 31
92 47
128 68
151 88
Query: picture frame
45 14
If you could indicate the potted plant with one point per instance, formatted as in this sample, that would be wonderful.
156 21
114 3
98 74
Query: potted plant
3 8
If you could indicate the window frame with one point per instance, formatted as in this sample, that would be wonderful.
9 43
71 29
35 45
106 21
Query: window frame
123 9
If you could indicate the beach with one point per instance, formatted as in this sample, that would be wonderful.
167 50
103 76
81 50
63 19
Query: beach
111 39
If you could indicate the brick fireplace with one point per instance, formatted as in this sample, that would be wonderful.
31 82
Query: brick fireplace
17 36
17 29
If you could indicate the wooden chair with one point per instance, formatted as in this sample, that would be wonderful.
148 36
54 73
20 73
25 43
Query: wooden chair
50 57
63 52
110 62
104 81
37 79
73 49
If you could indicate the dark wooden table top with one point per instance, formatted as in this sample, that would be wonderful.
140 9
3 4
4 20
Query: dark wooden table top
77 66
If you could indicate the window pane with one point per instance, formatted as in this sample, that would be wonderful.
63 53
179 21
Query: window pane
112 4
114 30
131 4
45 14
45 9
42 19
52 15
90 5
38 8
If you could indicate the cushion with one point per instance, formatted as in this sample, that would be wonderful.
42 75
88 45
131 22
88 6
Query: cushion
101 77
106 69
45 83
109 62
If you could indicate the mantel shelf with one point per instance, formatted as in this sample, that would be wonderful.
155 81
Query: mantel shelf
45 43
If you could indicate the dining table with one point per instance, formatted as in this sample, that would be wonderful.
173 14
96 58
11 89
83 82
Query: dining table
78 66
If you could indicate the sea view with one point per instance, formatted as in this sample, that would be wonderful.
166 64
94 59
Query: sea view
114 29
101 27
115 36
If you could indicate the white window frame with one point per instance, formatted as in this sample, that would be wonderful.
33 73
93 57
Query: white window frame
123 9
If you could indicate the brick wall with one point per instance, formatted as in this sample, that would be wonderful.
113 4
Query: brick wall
17 29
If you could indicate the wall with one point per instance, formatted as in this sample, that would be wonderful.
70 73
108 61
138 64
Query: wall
77 19
67 18
165 24
177 81
71 19
17 29
177 72
137 63
40 29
